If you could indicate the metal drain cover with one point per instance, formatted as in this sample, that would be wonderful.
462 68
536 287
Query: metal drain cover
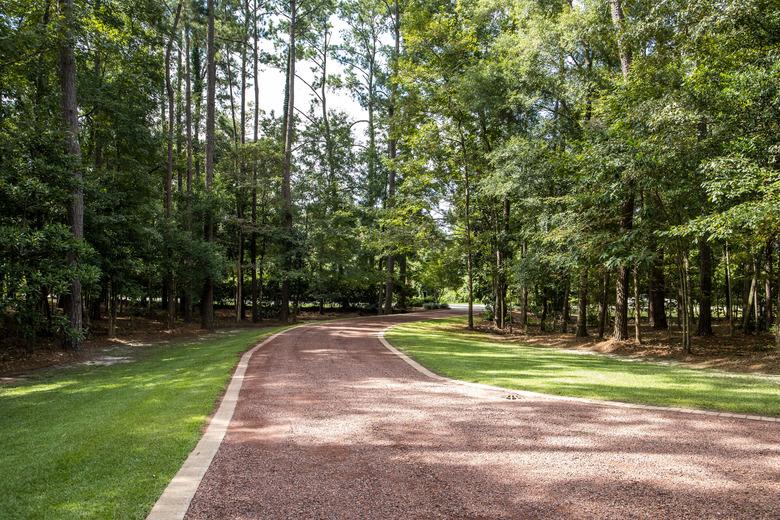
513 397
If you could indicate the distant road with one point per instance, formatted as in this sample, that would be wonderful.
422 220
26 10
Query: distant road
478 307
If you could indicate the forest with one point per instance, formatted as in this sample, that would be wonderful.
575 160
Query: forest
583 165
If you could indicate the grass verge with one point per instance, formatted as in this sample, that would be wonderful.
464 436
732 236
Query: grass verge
103 442
445 347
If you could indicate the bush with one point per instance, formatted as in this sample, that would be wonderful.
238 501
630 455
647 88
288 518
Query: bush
430 306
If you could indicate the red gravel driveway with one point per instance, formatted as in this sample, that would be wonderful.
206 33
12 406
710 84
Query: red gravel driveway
330 424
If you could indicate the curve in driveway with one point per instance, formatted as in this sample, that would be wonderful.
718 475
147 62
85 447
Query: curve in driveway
330 424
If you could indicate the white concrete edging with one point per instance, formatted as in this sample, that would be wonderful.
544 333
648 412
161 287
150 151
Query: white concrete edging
690 411
175 500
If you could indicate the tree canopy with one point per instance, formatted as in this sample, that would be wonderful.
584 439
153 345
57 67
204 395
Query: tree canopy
525 154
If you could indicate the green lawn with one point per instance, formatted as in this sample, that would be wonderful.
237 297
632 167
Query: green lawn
447 349
103 442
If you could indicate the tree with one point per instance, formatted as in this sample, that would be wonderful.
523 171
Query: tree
170 276
207 298
70 119
289 136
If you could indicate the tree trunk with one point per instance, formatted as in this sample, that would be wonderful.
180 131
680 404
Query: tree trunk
565 314
729 303
187 290
657 300
748 307
637 307
111 309
207 299
777 314
469 258
70 118
705 288
621 284
256 126
683 307
403 279
627 207
768 288
603 303
179 125
170 281
624 51
284 311
392 144
524 292
582 306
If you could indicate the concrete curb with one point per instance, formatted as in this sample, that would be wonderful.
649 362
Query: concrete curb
594 402
175 500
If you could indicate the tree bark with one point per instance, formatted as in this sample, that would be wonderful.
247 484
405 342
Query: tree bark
705 288
729 302
768 279
187 292
256 126
748 308
70 117
624 51
582 306
170 275
392 144
603 295
469 258
683 308
777 314
207 299
524 292
402 275
565 308
627 207
637 307
284 311
657 300
621 284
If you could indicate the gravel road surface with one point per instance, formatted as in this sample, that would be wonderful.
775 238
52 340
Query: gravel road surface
330 424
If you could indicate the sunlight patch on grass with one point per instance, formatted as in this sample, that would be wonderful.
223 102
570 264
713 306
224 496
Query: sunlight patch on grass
103 441
446 348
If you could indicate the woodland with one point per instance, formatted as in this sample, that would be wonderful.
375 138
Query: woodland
583 165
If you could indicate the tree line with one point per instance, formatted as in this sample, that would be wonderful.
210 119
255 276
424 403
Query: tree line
604 159
139 171
618 156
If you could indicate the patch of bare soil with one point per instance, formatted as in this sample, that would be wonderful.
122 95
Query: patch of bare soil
737 353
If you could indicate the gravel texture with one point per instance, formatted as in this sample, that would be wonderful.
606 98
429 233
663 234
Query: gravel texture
330 424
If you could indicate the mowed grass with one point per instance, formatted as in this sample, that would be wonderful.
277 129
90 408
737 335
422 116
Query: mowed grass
445 347
103 442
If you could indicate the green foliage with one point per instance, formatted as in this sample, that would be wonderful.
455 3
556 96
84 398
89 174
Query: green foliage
518 140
